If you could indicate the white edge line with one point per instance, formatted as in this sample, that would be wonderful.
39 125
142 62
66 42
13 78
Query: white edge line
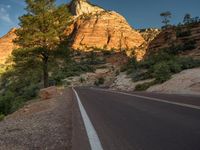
153 99
91 132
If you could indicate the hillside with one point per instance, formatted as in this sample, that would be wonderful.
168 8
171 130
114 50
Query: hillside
185 38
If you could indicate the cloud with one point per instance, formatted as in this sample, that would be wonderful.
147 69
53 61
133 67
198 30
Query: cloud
4 14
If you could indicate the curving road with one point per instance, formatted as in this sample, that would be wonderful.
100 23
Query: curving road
139 121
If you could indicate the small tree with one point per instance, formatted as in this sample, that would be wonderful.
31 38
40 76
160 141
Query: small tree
187 19
166 18
42 30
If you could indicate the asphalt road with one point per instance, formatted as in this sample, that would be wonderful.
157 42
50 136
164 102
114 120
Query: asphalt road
128 122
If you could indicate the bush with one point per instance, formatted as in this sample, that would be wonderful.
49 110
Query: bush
188 62
162 72
144 86
141 75
189 45
6 102
99 81
180 33
17 103
1 116
175 67
30 92
82 79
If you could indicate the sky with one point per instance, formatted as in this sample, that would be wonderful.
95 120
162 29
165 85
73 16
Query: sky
139 13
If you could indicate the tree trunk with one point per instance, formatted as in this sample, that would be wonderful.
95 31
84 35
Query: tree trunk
45 72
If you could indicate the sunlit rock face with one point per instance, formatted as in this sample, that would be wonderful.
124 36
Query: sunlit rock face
96 28
80 7
7 45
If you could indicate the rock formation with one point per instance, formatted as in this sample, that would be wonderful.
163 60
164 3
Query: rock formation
7 45
80 7
93 28
96 28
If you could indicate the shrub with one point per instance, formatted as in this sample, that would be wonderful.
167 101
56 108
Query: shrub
82 79
1 116
17 103
6 102
144 86
99 81
161 72
188 62
180 33
30 91
189 45
139 75
175 67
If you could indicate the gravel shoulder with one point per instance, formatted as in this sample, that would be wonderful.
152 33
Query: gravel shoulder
40 125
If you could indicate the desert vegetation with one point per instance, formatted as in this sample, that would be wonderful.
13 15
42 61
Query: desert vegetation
160 65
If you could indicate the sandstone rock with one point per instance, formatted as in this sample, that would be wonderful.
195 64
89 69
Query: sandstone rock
96 28
7 45
80 7
48 93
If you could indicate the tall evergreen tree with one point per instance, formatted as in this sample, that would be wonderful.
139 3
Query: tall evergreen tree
42 30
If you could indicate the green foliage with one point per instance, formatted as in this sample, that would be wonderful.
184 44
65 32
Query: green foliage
161 72
42 31
159 66
144 86
6 102
99 81
130 66
70 69
189 45
180 33
82 79
1 116
93 59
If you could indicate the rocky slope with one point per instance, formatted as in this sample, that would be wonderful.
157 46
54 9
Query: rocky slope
179 37
6 45
186 82
96 28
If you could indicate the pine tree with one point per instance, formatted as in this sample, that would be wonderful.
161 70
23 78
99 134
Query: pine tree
42 30
166 18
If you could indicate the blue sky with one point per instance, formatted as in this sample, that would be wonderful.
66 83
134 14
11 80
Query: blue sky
139 13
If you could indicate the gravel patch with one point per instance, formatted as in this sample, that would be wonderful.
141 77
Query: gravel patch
45 125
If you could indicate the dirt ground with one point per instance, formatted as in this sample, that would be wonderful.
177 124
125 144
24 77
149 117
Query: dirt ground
40 125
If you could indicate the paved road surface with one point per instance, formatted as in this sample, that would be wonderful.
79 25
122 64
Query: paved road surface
125 122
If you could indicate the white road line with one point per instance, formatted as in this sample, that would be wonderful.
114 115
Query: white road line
91 132
153 99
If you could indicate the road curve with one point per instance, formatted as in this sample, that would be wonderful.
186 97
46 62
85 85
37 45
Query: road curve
127 122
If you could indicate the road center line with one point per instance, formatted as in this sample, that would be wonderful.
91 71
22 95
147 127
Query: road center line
153 99
91 132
